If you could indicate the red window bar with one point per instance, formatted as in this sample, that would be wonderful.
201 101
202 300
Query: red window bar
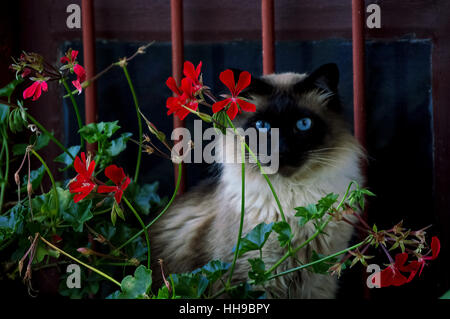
358 20
268 36
90 97
359 106
176 15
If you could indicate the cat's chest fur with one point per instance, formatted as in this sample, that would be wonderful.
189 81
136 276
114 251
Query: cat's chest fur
261 207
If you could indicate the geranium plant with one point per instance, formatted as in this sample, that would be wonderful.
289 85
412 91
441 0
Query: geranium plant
75 221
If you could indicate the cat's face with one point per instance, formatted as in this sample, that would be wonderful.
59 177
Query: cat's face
305 109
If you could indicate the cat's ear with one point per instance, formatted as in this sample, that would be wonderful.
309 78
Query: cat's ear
257 85
326 77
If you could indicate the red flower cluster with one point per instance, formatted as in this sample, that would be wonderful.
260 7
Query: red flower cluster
83 184
70 59
184 99
235 103
393 274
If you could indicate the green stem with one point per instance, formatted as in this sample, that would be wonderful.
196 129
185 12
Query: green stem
143 228
75 107
50 135
80 262
280 208
5 175
222 291
51 178
241 223
318 261
318 231
160 214
136 105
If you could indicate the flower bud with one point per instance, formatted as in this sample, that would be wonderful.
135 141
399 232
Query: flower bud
29 188
85 251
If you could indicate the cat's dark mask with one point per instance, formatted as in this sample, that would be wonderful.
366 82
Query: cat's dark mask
304 108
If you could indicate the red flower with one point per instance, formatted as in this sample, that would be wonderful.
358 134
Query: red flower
184 98
81 77
236 103
193 74
83 184
70 58
25 72
119 178
35 90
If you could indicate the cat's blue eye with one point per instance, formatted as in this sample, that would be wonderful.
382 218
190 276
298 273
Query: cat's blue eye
304 124
262 126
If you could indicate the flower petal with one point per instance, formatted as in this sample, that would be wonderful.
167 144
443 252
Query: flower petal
44 86
220 105
244 80
125 184
189 71
29 91
246 106
79 166
107 189
198 70
435 247
80 72
115 173
77 85
187 87
118 196
37 93
232 110
74 55
172 85
227 78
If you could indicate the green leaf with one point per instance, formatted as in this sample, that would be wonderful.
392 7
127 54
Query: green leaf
326 202
321 267
8 90
42 251
306 214
16 120
284 232
446 295
41 142
35 179
215 269
4 113
244 291
118 145
144 197
256 238
64 158
96 132
191 285
163 293
12 223
77 214
137 286
258 271
221 119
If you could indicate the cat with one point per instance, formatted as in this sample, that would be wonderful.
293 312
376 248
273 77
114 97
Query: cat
317 156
